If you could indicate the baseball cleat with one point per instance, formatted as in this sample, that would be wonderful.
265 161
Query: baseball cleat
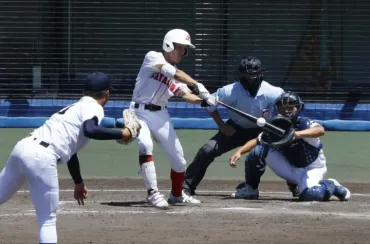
340 191
189 191
157 200
294 189
246 192
184 198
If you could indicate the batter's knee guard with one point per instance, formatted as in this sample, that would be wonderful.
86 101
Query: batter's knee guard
323 192
255 166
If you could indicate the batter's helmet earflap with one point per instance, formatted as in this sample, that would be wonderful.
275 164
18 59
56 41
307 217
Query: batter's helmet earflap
176 36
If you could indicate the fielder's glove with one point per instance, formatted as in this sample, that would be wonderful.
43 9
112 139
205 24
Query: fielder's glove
276 141
132 123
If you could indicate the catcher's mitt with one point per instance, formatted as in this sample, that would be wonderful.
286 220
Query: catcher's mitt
276 141
132 123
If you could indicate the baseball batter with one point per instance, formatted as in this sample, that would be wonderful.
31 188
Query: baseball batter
157 81
35 158
301 161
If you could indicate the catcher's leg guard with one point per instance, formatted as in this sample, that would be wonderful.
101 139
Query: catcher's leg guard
323 192
255 166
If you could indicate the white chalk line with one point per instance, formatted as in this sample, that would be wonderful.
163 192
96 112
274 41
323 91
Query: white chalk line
239 210
204 191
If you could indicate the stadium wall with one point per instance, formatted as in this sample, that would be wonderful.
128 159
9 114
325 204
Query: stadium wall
30 113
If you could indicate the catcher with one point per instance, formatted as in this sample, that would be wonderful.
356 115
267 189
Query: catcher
297 158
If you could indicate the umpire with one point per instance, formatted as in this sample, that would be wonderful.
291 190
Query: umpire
250 94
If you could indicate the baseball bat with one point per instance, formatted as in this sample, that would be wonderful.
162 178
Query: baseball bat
269 127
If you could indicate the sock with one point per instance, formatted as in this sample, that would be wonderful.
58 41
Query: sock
177 180
150 176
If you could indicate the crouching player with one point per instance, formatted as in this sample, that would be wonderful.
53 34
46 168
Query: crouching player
301 161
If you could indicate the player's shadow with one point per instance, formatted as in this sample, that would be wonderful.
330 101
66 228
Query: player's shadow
139 204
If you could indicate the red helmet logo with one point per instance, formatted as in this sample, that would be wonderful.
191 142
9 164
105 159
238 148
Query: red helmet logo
187 38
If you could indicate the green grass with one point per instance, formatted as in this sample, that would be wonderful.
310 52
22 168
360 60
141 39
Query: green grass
346 153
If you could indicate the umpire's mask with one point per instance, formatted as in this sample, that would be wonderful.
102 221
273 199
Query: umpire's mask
250 74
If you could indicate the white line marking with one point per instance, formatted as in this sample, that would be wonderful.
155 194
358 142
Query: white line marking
109 212
274 211
241 209
205 191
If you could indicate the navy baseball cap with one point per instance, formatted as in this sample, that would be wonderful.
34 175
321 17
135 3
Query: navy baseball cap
97 81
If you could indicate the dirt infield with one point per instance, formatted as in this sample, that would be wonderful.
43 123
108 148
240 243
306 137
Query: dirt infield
117 213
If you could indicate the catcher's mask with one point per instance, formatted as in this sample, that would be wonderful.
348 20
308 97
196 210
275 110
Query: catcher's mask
289 105
250 74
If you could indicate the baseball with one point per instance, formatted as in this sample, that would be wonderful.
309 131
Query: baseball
261 122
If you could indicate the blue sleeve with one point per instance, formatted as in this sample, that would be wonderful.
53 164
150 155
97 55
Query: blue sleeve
92 130
74 169
304 123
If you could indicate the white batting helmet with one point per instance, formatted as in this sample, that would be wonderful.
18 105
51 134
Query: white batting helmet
176 36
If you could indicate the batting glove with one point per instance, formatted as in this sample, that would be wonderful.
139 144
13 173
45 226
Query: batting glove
203 92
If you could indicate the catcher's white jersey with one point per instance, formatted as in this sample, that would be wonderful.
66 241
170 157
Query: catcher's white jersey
64 132
151 86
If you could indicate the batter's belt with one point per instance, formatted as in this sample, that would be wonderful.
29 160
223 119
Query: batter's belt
150 107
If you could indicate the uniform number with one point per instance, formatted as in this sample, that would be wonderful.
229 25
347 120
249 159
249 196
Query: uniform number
64 110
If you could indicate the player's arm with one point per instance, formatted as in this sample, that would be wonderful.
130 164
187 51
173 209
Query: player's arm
92 130
223 96
190 97
313 132
247 147
80 192
194 99
308 129
74 169
171 72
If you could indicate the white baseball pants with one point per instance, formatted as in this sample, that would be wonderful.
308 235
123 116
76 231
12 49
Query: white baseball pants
158 124
37 165
304 177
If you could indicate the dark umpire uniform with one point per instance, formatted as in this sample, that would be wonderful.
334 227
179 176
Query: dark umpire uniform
251 95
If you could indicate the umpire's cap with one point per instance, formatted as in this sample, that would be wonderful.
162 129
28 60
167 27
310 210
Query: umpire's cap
97 81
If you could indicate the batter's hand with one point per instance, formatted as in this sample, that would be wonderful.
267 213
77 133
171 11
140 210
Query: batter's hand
203 92
212 100
80 193
233 159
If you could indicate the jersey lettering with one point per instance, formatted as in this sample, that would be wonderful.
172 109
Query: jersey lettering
161 78
64 110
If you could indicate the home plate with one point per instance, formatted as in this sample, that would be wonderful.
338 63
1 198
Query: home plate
241 208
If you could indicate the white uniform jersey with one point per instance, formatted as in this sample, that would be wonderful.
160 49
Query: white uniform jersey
151 86
64 132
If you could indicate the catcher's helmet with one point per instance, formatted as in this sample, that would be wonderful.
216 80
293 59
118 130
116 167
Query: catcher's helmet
176 36
289 105
250 74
